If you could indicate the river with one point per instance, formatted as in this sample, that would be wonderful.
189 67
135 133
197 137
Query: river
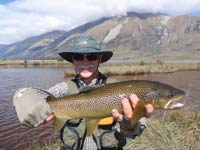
14 136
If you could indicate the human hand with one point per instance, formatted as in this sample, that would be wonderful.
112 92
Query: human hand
128 108
49 118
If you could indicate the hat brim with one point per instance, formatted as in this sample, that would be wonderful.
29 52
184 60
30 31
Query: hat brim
106 55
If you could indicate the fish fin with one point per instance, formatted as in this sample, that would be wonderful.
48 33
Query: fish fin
106 121
139 111
90 125
86 89
58 124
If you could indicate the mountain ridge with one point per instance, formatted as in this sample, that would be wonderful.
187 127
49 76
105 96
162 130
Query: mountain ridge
128 36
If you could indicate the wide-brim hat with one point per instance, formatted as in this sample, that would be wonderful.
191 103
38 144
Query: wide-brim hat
85 44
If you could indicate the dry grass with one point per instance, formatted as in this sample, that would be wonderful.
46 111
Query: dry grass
178 131
35 144
132 69
33 63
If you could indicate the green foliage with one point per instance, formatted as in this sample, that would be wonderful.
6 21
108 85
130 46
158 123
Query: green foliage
4 59
36 63
142 63
60 59
160 62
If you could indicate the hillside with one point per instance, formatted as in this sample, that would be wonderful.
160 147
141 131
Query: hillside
135 36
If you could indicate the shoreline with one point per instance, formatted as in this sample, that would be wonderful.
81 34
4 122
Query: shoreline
136 69
54 62
111 67
13 63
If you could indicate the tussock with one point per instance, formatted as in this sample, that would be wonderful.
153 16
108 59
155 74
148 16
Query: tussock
178 131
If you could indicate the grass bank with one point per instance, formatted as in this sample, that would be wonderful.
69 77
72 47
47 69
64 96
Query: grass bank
132 69
13 63
178 130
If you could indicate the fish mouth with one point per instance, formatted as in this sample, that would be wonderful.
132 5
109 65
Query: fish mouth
172 104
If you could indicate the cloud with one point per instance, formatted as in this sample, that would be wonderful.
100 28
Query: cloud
24 18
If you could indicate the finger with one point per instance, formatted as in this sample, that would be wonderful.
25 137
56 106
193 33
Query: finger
127 109
49 118
134 100
116 115
149 110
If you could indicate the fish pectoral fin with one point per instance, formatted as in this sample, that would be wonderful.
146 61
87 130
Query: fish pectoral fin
58 124
90 125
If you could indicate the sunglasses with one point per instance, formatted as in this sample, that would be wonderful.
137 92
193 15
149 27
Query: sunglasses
89 56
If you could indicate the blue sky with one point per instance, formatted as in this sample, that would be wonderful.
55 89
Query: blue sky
5 1
20 19
194 13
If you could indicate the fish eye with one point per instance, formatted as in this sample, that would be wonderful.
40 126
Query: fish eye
171 94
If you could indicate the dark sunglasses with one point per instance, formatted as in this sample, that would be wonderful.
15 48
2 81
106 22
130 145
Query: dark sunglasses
89 56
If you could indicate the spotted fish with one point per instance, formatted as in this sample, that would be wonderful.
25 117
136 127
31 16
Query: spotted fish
98 103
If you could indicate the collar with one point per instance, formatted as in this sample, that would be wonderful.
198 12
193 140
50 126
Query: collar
101 79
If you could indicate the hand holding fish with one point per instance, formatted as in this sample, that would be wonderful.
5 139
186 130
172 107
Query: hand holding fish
128 108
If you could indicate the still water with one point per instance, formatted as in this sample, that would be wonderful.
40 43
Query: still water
13 136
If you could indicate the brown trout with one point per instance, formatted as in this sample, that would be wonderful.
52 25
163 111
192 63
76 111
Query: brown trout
98 103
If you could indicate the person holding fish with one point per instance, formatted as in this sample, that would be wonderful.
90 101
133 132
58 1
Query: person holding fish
86 55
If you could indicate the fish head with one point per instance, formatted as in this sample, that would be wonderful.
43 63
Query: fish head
165 96
170 97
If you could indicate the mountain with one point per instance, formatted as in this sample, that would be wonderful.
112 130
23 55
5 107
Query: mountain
29 47
137 35
2 45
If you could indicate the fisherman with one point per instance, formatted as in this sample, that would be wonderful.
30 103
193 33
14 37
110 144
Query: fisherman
85 55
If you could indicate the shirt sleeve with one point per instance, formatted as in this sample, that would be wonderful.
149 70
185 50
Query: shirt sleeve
59 90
